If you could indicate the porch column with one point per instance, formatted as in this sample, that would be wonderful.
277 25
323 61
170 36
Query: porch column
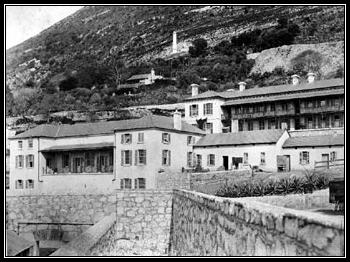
234 126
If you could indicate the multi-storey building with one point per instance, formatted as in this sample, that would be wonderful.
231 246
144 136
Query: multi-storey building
102 156
306 105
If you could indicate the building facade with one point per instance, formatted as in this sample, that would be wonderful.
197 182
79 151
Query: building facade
301 105
99 157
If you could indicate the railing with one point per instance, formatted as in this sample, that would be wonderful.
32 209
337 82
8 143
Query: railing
328 164
51 223
321 109
263 114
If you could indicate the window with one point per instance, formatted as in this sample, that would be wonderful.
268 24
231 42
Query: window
19 184
240 125
208 109
140 157
165 138
20 145
30 143
194 110
65 160
304 158
261 124
191 140
140 183
166 157
262 158
126 139
262 108
333 156
211 160
140 138
245 158
284 107
126 158
19 161
125 183
30 161
30 183
250 125
199 160
208 127
189 159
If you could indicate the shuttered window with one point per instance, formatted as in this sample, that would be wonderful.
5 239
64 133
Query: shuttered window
211 160
19 184
140 183
189 159
165 138
19 161
126 157
30 161
30 183
166 157
125 183
126 139
140 157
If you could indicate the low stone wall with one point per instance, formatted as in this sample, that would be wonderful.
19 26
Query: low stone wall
204 225
316 200
211 182
58 208
84 243
169 180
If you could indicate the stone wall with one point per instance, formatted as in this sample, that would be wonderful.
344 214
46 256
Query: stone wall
211 182
204 225
58 208
168 180
316 200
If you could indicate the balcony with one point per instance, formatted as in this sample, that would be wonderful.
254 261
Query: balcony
324 109
264 114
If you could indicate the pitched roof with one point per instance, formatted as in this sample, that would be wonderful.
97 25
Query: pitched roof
100 128
277 97
15 243
269 90
139 77
314 141
241 138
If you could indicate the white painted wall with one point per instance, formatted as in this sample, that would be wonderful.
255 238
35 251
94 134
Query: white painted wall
254 153
154 146
315 154
215 118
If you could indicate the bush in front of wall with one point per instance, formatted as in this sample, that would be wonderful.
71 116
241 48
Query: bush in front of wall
292 185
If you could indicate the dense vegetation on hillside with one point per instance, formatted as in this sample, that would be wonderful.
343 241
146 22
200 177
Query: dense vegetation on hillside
84 57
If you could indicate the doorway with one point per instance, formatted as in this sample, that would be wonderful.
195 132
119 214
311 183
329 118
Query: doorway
225 162
236 161
325 160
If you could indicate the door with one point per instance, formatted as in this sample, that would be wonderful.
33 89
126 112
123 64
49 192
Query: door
225 162
325 160
236 161
77 165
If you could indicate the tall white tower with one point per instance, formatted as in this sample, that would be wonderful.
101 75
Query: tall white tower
174 43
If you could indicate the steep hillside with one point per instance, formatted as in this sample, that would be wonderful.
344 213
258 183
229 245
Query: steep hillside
77 63
281 57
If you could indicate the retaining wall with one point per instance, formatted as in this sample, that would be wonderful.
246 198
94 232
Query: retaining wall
204 225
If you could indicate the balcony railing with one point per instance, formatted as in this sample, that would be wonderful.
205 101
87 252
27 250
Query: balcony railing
264 114
321 109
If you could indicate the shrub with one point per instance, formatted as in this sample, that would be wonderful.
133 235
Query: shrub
291 185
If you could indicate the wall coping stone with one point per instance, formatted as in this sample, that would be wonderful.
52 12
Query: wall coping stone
232 207
82 244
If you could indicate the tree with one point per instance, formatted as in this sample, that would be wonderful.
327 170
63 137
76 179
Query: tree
24 100
69 83
307 61
9 102
187 78
198 48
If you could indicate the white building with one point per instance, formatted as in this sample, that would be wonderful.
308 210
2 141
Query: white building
87 157
270 150
204 110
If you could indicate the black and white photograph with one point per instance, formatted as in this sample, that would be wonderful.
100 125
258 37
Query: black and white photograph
174 130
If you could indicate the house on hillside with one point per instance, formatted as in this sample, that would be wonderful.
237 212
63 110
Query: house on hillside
101 156
136 81
300 105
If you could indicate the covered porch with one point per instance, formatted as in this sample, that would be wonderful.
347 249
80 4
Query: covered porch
78 159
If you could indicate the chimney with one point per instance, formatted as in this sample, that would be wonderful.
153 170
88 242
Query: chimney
295 79
242 86
310 78
174 42
194 89
177 120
